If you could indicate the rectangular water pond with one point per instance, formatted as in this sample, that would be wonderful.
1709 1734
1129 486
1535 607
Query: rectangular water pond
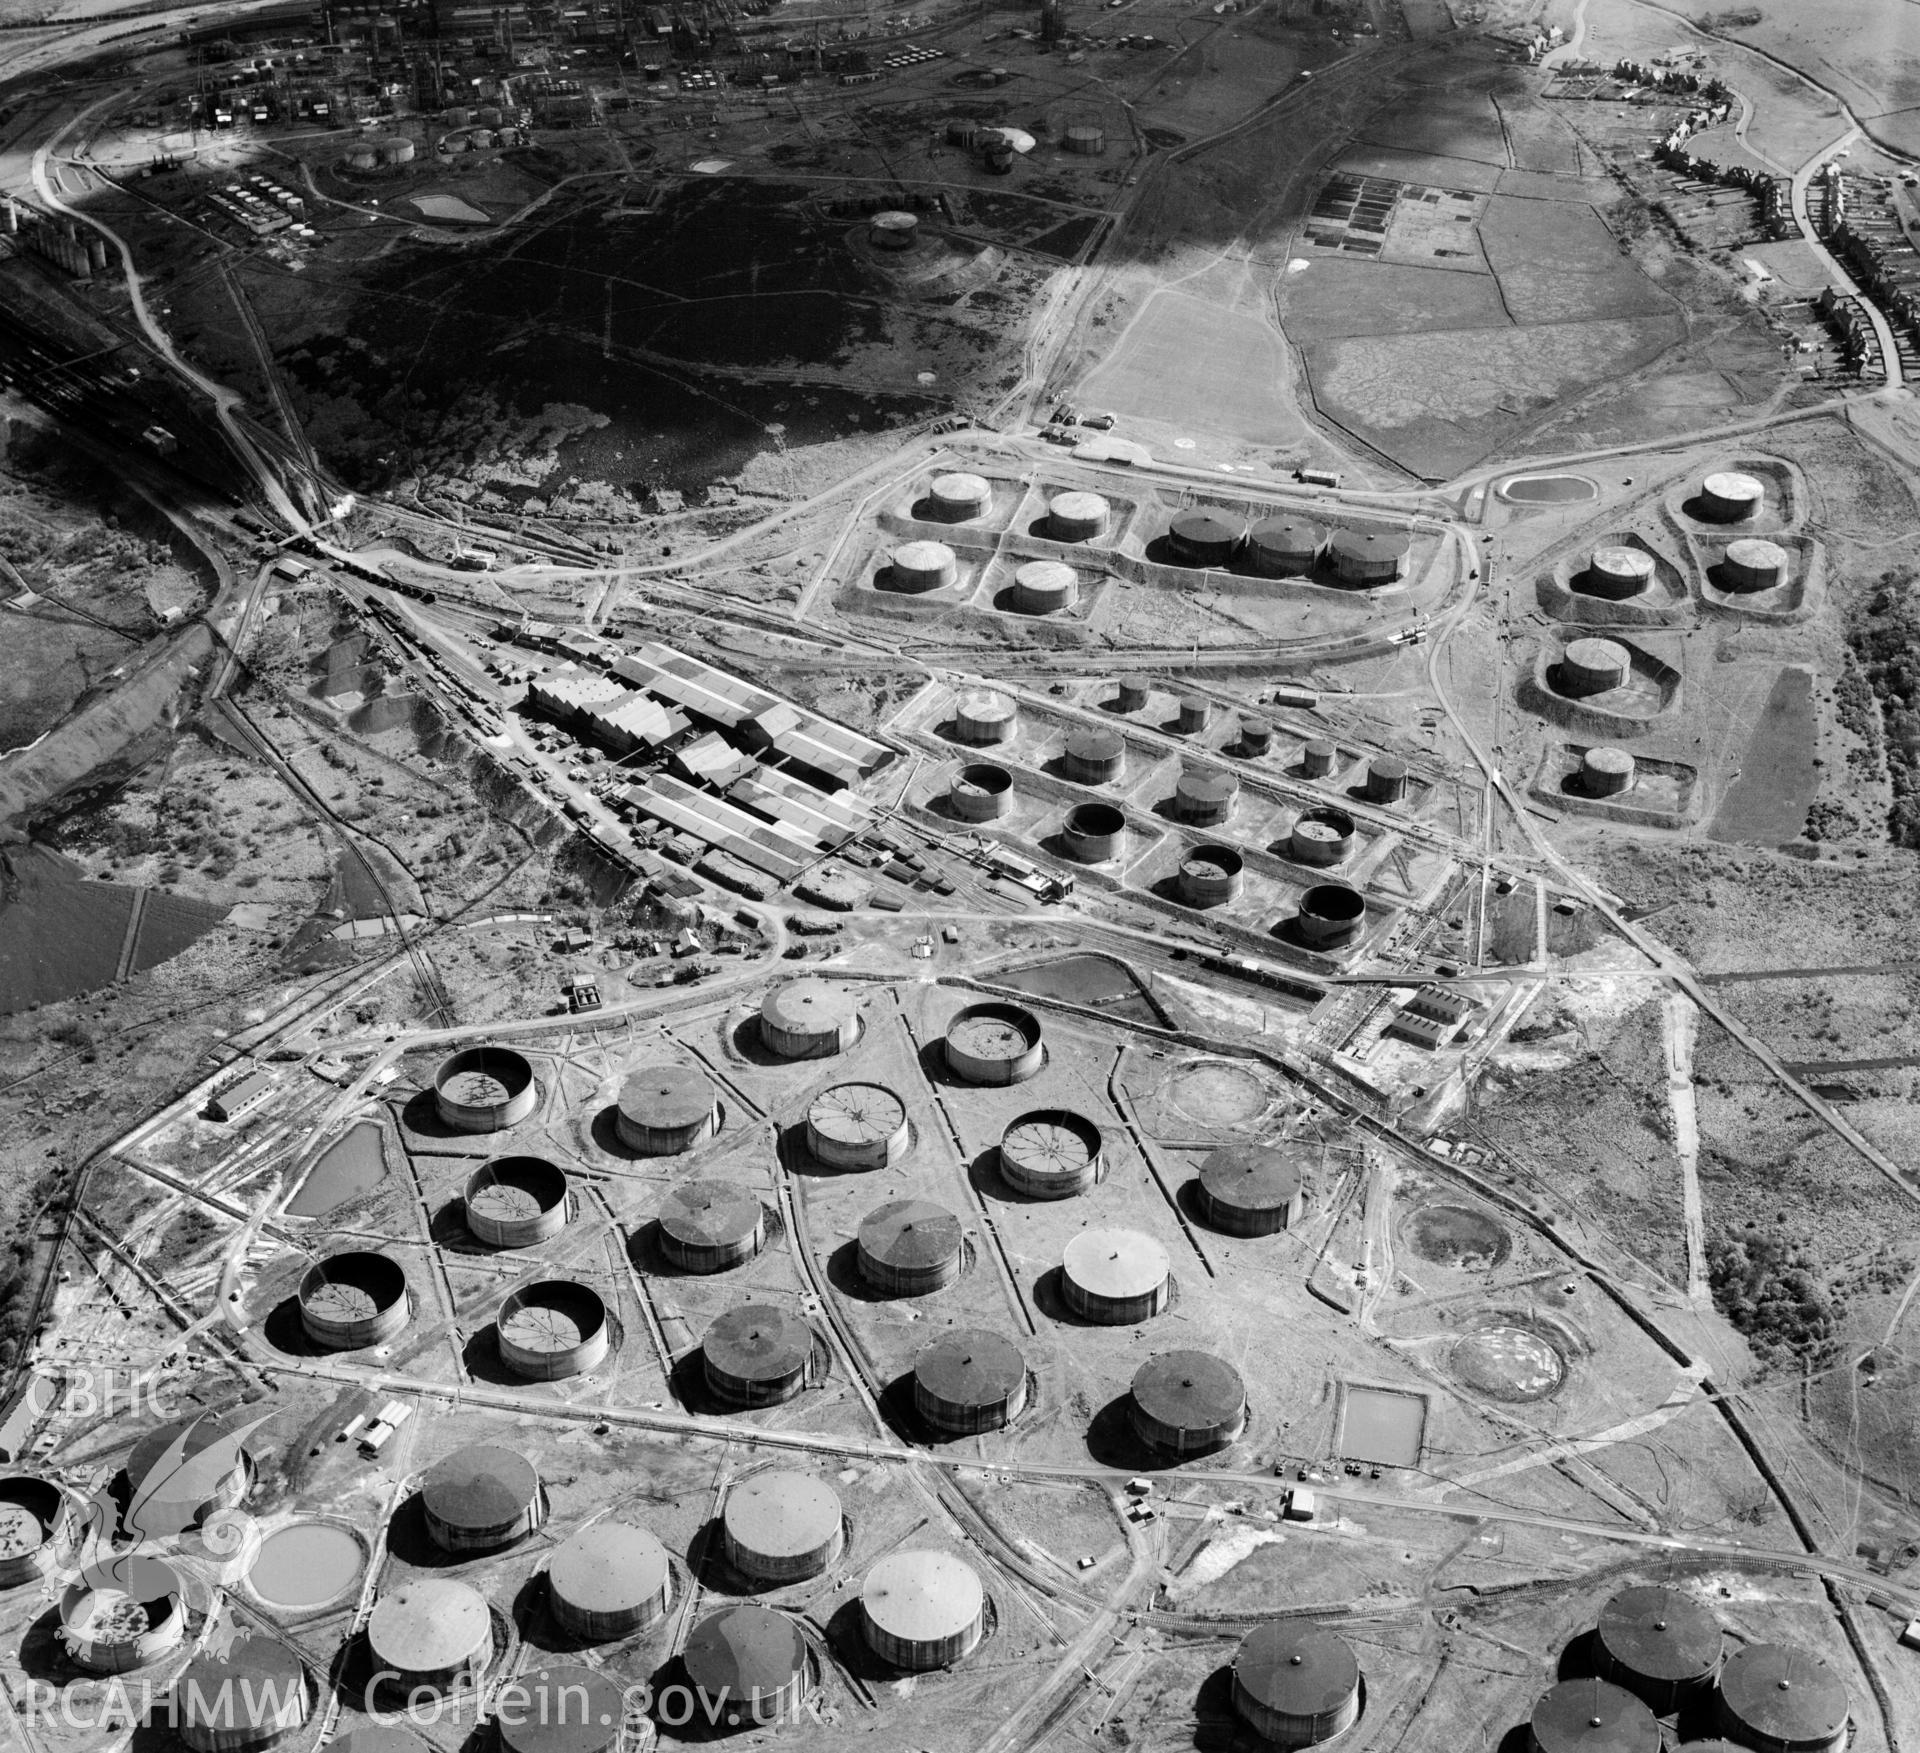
1382 1426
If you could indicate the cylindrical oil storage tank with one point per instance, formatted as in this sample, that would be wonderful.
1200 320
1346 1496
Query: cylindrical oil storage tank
1204 538
430 1632
1132 696
352 1300
1095 757
1321 836
489 115
1250 1190
1187 1402
1296 1683
782 1526
985 715
996 157
1776 1698
980 792
1591 1716
969 1380
1112 1277
1051 1153
1086 139
396 152
922 1610
961 132
460 117
756 1355
122 1613
909 1247
1077 517
362 158
1256 736
808 1019
665 1109
1210 876
609 1580
995 1042
1660 1644
1386 779
1594 666
956 498
709 1226
517 1201
1317 758
1751 564
1045 587
485 1089
858 1126
923 566
747 1661
553 1329
481 1498
253 1696
1204 798
1728 497
1331 914
1605 772
1094 832
1194 712
893 230
1281 546
1619 572
158 1474
1368 558
561 1708
33 1527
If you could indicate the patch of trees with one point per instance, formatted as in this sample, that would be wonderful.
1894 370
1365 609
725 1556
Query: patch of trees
1767 1287
1886 646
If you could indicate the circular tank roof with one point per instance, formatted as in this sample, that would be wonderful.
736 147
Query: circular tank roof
1078 507
1189 1390
1096 745
808 1005
923 556
1784 1694
1730 484
1598 654
1624 562
175 1444
857 1113
1387 767
1252 1177
607 1567
1370 544
895 220
1660 1633
758 1342
743 1651
922 1597
970 1367
1116 1264
1046 575
710 1213
255 1685
961 488
1608 760
782 1513
1205 527
428 1624
480 1487
1296 1669
666 1095
1593 1716
1756 551
986 703
910 1232
562 1708
1288 535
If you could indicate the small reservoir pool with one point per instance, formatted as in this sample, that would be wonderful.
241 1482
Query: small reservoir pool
1548 489
352 1167
1382 1427
306 1565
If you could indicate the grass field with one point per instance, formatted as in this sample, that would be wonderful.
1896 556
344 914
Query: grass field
1185 361
1336 297
1558 263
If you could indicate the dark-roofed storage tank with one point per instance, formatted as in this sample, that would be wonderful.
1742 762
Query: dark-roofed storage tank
1094 756
1296 1683
1187 1402
756 1355
708 1226
747 1661
1279 546
909 1247
1204 538
808 1019
1591 1716
481 1498
254 1695
969 1380
560 1708
665 1108
1776 1698
1250 1190
1660 1644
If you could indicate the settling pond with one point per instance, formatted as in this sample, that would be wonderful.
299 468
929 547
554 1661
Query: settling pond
352 1167
1548 490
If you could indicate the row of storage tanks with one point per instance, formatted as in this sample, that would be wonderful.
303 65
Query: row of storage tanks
1621 572
375 154
1657 1651
1274 547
